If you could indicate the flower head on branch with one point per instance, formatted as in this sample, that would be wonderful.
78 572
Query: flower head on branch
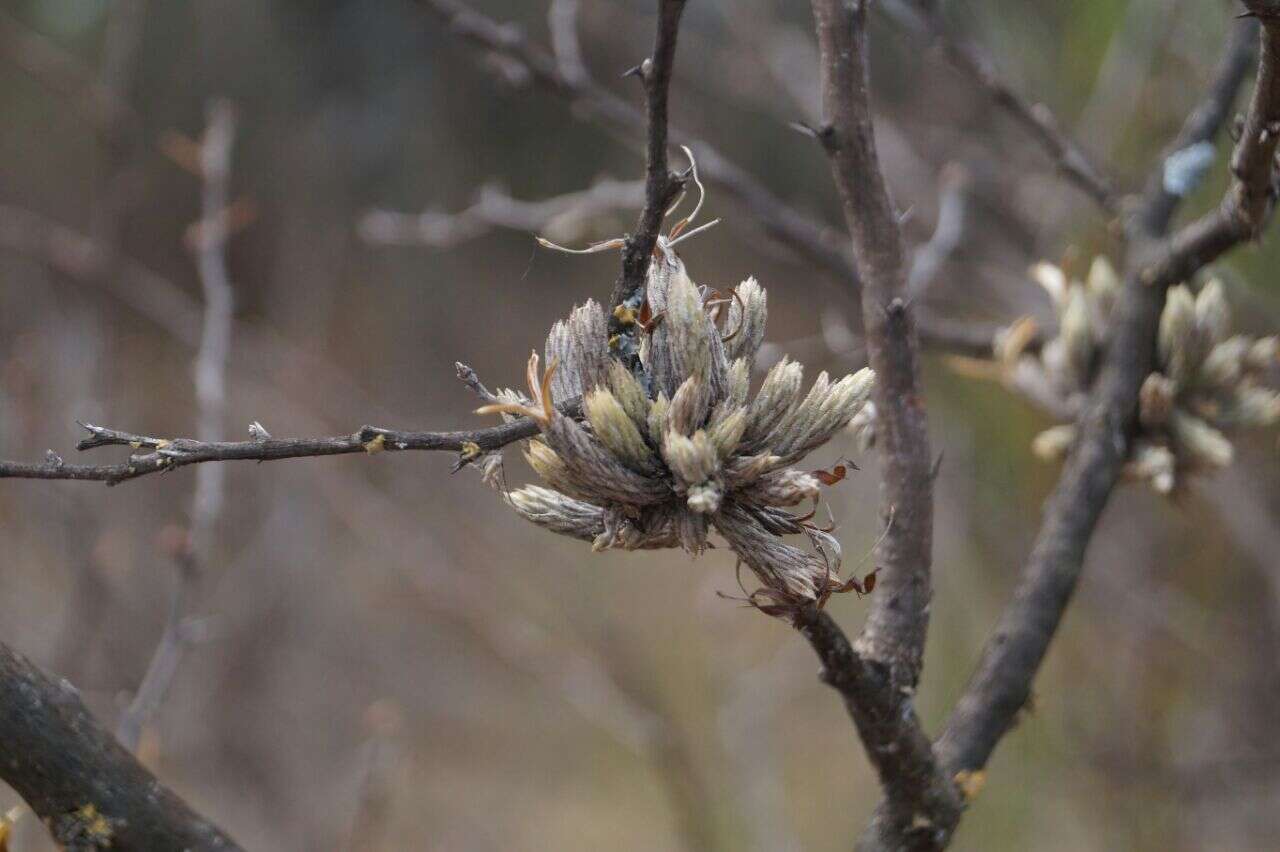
665 457
1208 382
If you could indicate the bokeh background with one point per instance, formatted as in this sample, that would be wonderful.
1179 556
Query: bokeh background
388 659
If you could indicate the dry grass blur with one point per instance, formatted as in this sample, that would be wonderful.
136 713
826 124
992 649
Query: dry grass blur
390 659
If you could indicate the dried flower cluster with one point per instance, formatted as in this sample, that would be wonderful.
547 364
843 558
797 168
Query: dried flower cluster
1209 382
677 450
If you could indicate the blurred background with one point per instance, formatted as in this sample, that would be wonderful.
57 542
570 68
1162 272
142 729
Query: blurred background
380 655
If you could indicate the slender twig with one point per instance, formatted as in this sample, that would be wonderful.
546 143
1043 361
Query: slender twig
1001 684
660 189
568 214
814 241
210 386
948 234
90 792
163 454
562 23
881 673
1159 199
1037 119
810 239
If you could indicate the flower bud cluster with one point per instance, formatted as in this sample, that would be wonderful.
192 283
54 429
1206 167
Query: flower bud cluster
1208 382
664 457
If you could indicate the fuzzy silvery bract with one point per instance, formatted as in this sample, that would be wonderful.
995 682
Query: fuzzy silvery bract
678 449
1208 382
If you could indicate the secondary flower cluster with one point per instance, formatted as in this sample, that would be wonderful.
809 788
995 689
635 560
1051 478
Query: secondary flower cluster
1208 382
678 449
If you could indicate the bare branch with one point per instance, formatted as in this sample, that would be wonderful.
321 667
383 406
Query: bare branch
808 238
89 791
948 234
1216 108
163 454
923 804
562 22
562 218
1001 684
1038 120
210 385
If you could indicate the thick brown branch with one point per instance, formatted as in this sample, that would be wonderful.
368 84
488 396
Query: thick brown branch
923 804
1001 685
88 790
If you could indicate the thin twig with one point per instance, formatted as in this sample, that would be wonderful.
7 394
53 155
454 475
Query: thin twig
948 234
1038 120
164 454
882 671
816 242
660 189
1001 684
562 23
210 390
562 218
819 243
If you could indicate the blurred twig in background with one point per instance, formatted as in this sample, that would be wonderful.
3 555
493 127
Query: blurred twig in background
195 547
